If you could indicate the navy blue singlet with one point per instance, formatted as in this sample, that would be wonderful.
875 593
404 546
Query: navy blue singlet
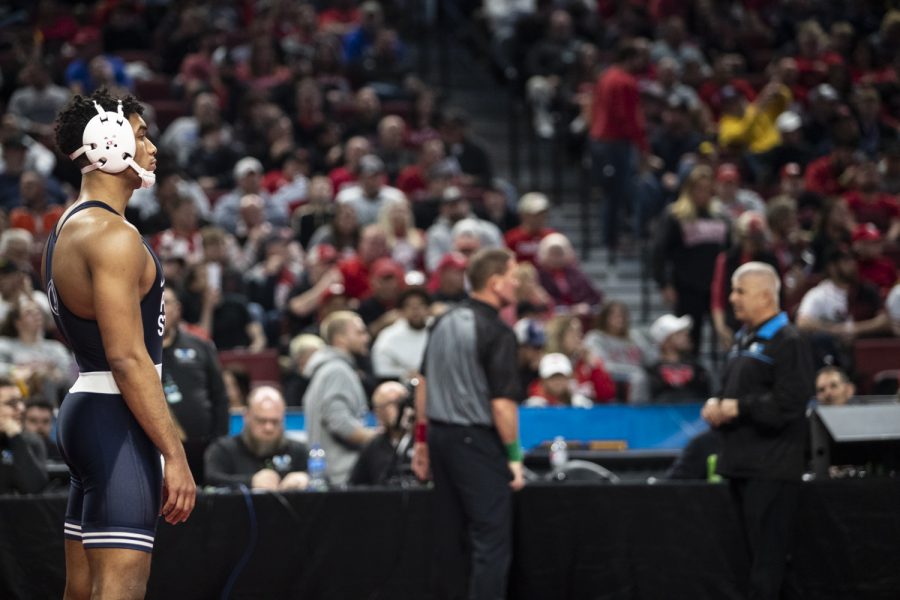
116 474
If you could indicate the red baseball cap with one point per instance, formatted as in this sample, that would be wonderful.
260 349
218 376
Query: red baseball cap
866 232
386 267
452 260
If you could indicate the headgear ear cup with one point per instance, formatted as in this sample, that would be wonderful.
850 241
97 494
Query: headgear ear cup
108 142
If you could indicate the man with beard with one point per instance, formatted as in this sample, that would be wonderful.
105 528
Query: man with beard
260 457
386 458
398 349
193 385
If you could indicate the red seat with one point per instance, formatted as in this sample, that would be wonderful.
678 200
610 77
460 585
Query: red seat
872 356
260 366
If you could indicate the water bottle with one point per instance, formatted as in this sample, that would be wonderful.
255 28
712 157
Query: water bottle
559 453
315 468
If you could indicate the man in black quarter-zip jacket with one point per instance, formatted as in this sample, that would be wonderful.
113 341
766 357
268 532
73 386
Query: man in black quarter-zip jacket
766 384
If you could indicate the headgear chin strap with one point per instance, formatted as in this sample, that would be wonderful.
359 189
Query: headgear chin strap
108 142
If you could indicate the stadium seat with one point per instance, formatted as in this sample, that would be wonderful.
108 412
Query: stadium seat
261 366
871 356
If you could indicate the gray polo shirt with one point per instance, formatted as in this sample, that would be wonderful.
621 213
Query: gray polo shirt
470 359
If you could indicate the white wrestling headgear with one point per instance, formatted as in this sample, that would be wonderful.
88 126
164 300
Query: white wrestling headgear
110 145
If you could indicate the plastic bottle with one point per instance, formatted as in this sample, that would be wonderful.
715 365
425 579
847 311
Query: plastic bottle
315 468
559 453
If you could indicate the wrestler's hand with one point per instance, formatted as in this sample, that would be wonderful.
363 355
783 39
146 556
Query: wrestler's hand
420 464
179 490
518 480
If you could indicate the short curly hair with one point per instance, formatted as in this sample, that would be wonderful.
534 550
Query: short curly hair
74 117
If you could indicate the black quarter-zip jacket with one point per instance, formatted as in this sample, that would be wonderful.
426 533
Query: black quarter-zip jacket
769 370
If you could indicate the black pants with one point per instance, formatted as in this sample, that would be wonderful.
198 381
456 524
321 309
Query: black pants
766 509
696 304
472 506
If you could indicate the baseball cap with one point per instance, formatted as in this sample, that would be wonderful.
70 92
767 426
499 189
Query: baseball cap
666 325
386 267
530 332
533 203
825 91
866 232
414 291
452 194
554 364
791 169
452 260
370 165
247 165
788 121
728 172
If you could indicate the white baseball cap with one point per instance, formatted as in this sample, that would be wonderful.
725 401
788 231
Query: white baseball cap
246 165
788 121
666 325
533 203
555 364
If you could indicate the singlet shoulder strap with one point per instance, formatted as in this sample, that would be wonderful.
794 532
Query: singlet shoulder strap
81 207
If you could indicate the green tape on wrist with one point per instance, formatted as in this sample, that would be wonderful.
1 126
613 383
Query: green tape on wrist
514 451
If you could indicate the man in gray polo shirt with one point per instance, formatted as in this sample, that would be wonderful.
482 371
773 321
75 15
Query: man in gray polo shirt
467 431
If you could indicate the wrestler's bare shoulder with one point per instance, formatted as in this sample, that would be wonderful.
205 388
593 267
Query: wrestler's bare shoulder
98 231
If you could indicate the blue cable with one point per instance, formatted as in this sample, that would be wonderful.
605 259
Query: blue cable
251 546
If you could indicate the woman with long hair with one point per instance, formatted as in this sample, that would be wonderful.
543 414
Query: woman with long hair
565 335
624 356
405 242
692 234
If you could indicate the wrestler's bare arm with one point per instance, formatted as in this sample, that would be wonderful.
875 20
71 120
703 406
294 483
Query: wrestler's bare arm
116 261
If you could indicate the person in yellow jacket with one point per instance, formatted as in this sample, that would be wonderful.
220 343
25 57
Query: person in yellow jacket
750 126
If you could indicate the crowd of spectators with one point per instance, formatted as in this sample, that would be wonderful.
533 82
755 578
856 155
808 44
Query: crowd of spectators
728 132
308 175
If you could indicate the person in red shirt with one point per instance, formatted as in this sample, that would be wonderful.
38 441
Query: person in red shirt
827 175
871 263
556 386
372 246
524 239
870 205
354 150
413 180
565 334
36 214
618 135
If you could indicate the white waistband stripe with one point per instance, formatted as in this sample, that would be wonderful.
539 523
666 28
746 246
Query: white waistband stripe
121 534
100 382
97 541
